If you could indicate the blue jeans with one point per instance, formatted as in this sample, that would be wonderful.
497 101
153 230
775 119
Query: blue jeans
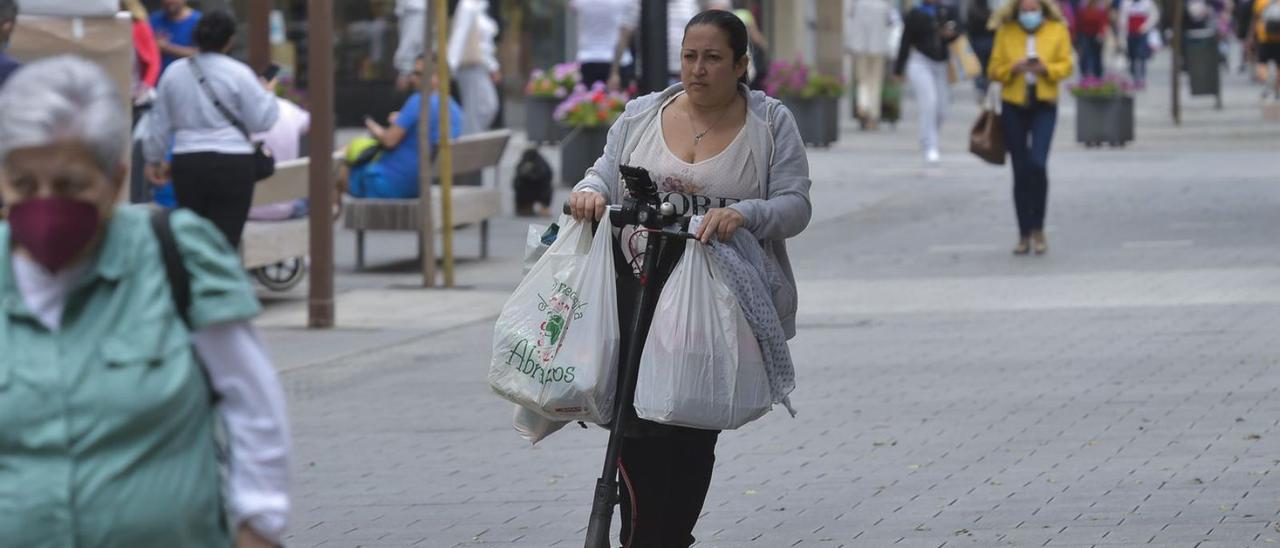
1028 132
1091 57
372 181
1139 52
982 46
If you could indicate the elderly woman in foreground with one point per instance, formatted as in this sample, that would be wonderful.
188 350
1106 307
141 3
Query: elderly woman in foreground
109 394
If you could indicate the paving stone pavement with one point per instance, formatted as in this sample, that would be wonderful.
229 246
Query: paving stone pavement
1119 391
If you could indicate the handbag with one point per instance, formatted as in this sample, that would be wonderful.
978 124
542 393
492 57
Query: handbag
986 139
263 164
962 52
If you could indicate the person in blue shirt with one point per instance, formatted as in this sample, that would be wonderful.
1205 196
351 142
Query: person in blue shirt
175 27
394 173
8 18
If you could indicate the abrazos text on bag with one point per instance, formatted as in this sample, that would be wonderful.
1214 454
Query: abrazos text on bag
533 358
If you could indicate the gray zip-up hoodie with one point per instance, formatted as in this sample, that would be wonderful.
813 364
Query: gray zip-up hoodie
783 209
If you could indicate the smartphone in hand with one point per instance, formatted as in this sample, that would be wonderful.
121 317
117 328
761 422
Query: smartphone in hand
271 72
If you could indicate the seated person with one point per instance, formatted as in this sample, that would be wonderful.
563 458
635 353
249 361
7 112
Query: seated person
283 140
394 172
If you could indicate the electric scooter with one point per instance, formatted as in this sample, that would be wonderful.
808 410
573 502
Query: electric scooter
643 209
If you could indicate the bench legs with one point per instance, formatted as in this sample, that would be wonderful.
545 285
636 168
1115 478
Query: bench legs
359 250
484 245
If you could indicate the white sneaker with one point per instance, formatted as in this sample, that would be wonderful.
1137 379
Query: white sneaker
932 156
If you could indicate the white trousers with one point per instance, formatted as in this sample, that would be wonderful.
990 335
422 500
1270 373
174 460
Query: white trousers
479 98
933 95
869 68
411 28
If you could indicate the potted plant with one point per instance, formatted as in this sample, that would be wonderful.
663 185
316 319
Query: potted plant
545 90
585 116
812 98
1104 111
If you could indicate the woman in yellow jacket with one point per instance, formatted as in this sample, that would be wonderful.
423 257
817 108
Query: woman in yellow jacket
1031 57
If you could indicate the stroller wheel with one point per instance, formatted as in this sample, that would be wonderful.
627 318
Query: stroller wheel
282 276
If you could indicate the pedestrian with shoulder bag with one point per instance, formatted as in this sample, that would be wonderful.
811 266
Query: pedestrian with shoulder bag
1032 57
208 107
128 340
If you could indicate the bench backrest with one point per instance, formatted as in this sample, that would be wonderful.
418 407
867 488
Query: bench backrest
473 153
290 182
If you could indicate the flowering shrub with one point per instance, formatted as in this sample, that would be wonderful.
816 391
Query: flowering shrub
556 84
796 79
1108 86
590 108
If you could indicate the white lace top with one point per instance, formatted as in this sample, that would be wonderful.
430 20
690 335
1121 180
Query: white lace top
719 181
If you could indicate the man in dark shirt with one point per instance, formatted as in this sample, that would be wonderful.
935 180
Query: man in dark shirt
175 27
8 18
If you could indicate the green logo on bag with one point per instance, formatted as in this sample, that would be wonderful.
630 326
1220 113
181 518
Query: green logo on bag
533 357
552 328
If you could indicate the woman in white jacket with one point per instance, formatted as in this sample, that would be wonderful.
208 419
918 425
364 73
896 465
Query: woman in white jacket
869 24
473 62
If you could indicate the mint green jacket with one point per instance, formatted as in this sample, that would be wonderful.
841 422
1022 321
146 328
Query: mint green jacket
107 425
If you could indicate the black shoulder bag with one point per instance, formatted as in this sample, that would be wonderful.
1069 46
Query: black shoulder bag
263 164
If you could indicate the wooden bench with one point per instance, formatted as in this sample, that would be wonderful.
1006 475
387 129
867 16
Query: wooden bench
267 244
472 154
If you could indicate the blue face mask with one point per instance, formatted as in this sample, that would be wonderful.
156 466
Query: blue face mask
1030 20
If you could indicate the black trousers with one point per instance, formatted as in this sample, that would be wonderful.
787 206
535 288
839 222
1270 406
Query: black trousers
668 467
218 187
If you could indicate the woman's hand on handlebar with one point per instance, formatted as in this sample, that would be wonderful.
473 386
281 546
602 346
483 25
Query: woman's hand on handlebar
586 205
720 222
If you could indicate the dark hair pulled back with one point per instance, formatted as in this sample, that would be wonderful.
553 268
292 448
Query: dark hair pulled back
214 31
731 26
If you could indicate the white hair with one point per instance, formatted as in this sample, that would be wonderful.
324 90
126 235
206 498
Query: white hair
61 99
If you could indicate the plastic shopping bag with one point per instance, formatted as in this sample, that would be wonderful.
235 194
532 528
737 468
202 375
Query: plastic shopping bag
555 345
701 365
537 241
534 427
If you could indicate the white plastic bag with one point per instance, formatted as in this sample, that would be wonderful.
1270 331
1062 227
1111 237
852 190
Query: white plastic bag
1155 42
533 246
534 427
701 365
555 345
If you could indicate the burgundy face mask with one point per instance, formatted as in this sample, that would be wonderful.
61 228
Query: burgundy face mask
53 230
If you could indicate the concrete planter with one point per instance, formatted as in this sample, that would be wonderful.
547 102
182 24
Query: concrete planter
540 127
1107 120
579 150
818 119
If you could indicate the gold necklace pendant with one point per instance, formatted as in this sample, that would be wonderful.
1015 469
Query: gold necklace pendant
697 137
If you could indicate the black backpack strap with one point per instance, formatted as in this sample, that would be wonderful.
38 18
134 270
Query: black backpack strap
174 270
179 278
